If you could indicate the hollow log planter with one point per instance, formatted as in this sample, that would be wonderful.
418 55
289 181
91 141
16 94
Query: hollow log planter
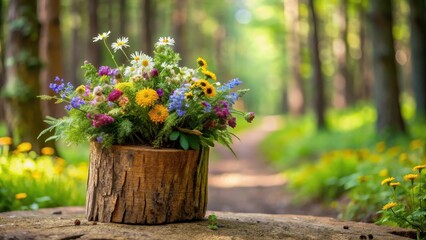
143 185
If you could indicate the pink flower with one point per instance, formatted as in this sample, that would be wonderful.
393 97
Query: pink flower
115 95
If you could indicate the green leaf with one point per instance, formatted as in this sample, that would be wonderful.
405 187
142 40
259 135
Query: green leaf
174 135
194 142
184 141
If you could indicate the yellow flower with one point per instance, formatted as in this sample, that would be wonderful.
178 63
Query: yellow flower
124 85
47 151
209 74
394 184
403 157
389 206
417 143
203 83
5 141
80 89
202 63
419 168
383 173
158 114
24 147
410 177
189 95
146 97
20 196
380 147
209 91
388 180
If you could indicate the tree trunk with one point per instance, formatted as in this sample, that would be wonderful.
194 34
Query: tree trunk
148 9
365 69
22 87
318 81
75 42
295 93
343 86
142 185
94 50
386 87
50 52
2 66
418 53
122 25
179 29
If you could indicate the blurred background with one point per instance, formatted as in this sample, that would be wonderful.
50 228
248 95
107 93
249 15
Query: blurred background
338 87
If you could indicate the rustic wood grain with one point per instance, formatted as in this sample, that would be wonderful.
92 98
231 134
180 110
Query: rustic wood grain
142 185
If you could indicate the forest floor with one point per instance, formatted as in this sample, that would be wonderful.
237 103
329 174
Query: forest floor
248 183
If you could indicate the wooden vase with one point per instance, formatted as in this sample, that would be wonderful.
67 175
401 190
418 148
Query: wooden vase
143 185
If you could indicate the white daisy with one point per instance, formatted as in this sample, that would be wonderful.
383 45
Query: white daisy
136 58
166 41
101 36
146 62
120 43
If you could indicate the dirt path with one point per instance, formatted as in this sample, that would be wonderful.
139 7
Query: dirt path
249 184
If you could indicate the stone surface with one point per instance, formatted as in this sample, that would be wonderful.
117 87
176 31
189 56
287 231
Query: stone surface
61 223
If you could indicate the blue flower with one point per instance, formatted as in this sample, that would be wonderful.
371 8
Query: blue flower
177 101
76 102
230 84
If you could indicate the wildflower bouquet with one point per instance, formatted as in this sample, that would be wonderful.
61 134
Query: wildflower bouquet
150 101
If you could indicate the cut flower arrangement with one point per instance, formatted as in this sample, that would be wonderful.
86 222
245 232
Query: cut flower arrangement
150 101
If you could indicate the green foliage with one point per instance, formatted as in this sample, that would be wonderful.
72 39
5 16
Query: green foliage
213 222
31 181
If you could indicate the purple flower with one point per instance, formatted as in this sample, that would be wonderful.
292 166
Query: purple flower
99 139
160 92
153 72
207 106
59 86
104 70
177 101
115 95
113 72
222 110
249 117
232 122
100 120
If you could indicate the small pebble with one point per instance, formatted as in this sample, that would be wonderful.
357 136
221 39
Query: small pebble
77 222
345 227
370 236
57 212
362 237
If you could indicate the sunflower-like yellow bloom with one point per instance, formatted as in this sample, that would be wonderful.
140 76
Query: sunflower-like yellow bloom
419 168
24 147
410 177
146 97
389 206
20 196
388 180
158 114
209 91
47 151
5 141
202 63
209 74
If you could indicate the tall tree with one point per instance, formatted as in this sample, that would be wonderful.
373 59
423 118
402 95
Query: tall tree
2 66
50 51
343 86
179 30
75 42
148 10
418 53
295 93
22 86
386 87
364 63
94 50
318 81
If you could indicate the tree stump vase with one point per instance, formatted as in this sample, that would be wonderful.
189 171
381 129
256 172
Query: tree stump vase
143 185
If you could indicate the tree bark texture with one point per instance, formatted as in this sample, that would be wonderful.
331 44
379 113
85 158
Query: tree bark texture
386 87
318 80
94 50
23 110
295 92
50 52
142 185
418 53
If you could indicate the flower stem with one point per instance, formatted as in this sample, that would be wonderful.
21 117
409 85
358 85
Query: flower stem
124 54
112 55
